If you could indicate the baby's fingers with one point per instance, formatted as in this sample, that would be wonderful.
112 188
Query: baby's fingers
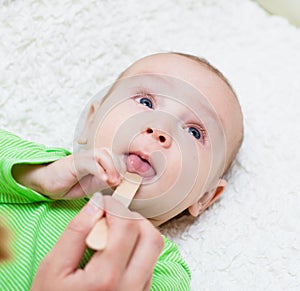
85 164
106 162
98 163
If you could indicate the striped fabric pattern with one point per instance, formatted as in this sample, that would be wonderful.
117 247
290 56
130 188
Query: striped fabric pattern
36 222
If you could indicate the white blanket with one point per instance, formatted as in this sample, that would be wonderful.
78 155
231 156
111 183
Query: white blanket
55 55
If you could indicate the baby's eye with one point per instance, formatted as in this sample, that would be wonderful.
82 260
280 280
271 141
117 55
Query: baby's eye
145 101
198 132
194 132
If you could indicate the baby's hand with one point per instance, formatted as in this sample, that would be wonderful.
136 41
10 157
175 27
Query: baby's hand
71 177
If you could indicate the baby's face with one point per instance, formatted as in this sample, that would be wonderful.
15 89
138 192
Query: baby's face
165 121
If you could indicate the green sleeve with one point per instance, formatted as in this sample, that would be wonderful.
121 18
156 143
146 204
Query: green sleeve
14 150
171 271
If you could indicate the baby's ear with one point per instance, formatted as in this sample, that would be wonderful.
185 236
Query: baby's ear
83 137
207 199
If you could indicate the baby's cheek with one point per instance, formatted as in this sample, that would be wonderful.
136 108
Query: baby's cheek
170 176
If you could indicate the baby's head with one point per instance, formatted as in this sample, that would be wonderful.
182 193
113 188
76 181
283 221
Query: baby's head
175 120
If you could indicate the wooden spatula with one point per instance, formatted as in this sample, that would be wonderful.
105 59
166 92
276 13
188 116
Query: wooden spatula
124 193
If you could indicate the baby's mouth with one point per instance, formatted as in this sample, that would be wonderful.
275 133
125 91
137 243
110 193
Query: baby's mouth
140 164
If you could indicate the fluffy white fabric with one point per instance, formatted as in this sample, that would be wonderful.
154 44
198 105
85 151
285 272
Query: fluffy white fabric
55 55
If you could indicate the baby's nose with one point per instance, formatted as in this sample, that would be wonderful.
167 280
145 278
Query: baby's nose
164 139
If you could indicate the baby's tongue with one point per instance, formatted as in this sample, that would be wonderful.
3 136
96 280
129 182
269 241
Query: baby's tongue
135 164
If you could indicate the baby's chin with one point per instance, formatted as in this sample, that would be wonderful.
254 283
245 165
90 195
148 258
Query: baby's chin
147 191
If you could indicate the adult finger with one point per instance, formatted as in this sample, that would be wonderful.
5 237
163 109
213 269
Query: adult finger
121 242
146 254
148 284
68 251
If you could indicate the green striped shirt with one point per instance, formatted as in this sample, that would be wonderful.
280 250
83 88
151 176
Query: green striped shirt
36 222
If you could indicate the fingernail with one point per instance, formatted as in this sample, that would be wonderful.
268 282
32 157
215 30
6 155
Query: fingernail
115 180
95 205
118 180
104 177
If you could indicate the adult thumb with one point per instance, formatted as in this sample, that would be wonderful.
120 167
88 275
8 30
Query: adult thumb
69 249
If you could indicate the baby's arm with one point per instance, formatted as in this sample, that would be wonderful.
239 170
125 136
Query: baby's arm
52 172
14 151
73 176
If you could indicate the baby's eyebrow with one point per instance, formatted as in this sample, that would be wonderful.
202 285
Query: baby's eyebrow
208 111
159 77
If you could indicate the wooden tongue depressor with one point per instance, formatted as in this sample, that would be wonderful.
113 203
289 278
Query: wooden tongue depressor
124 193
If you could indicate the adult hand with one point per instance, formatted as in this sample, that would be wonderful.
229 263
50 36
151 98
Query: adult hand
126 263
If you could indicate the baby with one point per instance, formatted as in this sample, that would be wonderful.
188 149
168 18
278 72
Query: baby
176 121
170 117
